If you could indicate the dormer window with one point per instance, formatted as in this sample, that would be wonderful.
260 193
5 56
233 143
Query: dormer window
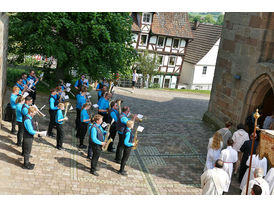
147 17
161 41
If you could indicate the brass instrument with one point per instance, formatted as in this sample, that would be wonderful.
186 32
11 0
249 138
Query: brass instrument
66 108
119 102
136 119
107 140
135 140
38 111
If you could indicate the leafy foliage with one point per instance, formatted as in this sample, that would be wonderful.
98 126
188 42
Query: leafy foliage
98 44
207 18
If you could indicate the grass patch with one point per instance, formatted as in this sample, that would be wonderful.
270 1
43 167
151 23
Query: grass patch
184 90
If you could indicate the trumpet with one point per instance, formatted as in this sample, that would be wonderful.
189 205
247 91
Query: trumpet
107 140
38 111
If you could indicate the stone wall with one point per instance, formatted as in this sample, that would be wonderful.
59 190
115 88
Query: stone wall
246 51
3 58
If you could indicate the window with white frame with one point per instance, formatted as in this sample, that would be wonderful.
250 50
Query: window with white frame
160 59
161 41
156 81
147 17
171 61
204 70
175 44
143 39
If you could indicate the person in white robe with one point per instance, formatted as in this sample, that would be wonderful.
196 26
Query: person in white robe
214 181
229 156
270 180
214 147
258 180
239 137
256 163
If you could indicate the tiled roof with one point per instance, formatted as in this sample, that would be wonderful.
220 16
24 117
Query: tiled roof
135 26
174 24
205 36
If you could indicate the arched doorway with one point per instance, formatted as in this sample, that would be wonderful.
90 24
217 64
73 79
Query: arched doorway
260 95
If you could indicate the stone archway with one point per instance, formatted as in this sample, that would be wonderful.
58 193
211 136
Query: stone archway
256 94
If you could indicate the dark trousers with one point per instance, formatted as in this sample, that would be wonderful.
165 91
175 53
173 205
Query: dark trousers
89 147
120 148
27 145
77 120
20 133
13 120
81 132
242 170
60 135
96 149
52 114
112 134
125 157
33 95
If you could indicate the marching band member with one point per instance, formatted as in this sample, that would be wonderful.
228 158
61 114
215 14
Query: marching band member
59 94
84 120
104 106
97 138
81 82
121 126
19 103
99 88
35 81
59 126
13 97
81 100
113 114
128 144
52 111
101 92
29 132
61 83
21 86
24 79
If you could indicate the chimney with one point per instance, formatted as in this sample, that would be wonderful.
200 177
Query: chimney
196 24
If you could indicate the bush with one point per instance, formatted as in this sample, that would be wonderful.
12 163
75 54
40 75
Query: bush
13 74
154 85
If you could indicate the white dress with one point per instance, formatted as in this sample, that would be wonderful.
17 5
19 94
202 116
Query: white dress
229 156
270 179
239 137
256 163
258 181
213 181
212 155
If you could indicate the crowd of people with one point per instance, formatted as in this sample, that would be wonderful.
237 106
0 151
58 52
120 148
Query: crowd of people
230 155
101 127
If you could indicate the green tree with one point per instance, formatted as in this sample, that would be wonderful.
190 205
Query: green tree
209 19
220 20
147 64
98 44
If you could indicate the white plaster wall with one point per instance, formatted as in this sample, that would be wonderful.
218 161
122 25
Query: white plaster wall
211 57
200 78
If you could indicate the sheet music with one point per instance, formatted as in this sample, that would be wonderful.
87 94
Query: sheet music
88 93
140 128
25 94
71 108
104 124
66 97
43 133
31 81
68 84
41 75
95 105
140 116
89 97
68 89
85 80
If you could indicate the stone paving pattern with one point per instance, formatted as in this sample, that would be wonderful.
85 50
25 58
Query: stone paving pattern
169 160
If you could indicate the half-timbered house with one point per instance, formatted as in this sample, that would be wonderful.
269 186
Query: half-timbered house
167 34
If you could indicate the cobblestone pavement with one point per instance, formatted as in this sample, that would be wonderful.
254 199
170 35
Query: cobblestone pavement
169 160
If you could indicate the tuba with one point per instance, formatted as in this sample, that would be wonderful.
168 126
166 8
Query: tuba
107 140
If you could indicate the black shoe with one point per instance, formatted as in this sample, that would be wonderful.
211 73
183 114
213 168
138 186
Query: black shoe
88 157
82 146
117 161
14 132
124 173
51 135
112 150
94 173
28 166
60 148
19 144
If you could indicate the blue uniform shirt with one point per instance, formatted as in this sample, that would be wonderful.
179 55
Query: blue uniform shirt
51 103
25 110
103 104
19 117
114 114
81 100
127 138
77 83
94 134
59 115
13 98
28 125
25 82
124 120
84 115
34 80
21 87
